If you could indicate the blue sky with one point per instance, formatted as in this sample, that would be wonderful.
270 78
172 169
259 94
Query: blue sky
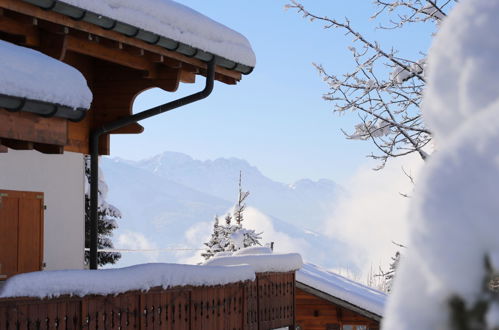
274 118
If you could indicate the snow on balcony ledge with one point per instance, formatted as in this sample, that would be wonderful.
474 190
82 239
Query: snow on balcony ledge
48 284
27 73
260 259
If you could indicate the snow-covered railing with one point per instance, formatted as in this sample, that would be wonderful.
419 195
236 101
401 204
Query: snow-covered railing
151 296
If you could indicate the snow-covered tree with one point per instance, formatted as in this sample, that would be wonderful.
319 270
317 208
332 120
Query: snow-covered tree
214 244
384 88
106 220
389 275
232 236
444 279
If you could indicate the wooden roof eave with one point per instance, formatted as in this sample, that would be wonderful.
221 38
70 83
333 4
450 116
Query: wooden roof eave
337 301
32 39
128 66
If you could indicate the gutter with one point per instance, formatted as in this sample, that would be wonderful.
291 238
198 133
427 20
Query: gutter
44 109
122 122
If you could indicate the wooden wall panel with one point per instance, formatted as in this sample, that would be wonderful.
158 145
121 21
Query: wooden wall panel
25 126
314 313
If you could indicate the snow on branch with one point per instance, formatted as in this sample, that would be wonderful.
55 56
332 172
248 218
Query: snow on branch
384 88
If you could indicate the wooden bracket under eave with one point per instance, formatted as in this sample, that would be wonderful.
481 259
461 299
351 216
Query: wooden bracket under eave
133 128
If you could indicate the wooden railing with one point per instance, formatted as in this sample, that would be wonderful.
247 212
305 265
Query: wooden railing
266 303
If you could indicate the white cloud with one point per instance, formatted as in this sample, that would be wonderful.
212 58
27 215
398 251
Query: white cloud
283 243
132 240
374 213
195 237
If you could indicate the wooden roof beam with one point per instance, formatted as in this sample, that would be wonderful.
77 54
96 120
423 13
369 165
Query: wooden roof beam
19 28
94 49
17 144
54 45
48 148
32 11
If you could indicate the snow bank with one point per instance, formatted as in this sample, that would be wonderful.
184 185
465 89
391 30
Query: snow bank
28 73
453 218
341 287
114 281
462 67
175 21
261 263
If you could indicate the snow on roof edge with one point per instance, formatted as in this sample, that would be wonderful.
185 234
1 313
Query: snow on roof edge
176 21
27 73
340 287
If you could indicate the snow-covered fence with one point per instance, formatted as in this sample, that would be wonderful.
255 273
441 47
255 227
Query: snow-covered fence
265 303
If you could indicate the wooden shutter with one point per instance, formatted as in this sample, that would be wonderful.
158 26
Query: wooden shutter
21 232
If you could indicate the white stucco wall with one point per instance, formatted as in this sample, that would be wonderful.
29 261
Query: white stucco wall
61 179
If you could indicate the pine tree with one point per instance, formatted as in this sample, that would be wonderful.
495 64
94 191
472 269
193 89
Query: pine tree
232 237
213 245
106 222
239 208
389 275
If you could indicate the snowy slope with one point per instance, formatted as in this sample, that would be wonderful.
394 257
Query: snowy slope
159 213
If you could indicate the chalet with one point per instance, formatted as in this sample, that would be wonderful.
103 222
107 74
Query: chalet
69 72
328 301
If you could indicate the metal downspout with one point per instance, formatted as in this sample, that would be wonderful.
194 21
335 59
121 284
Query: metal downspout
94 148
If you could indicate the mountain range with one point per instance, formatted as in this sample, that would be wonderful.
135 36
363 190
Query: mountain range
170 200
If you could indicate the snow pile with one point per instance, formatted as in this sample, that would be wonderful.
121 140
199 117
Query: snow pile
253 250
259 259
115 281
340 287
175 21
30 74
454 208
462 70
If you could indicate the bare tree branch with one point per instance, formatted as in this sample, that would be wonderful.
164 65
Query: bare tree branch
384 89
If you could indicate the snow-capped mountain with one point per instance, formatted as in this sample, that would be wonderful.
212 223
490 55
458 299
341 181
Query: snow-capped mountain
305 203
170 200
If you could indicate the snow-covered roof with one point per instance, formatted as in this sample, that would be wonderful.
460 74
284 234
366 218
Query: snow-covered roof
175 21
342 288
114 281
27 73
261 260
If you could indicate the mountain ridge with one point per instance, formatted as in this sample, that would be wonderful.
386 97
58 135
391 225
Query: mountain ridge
171 199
